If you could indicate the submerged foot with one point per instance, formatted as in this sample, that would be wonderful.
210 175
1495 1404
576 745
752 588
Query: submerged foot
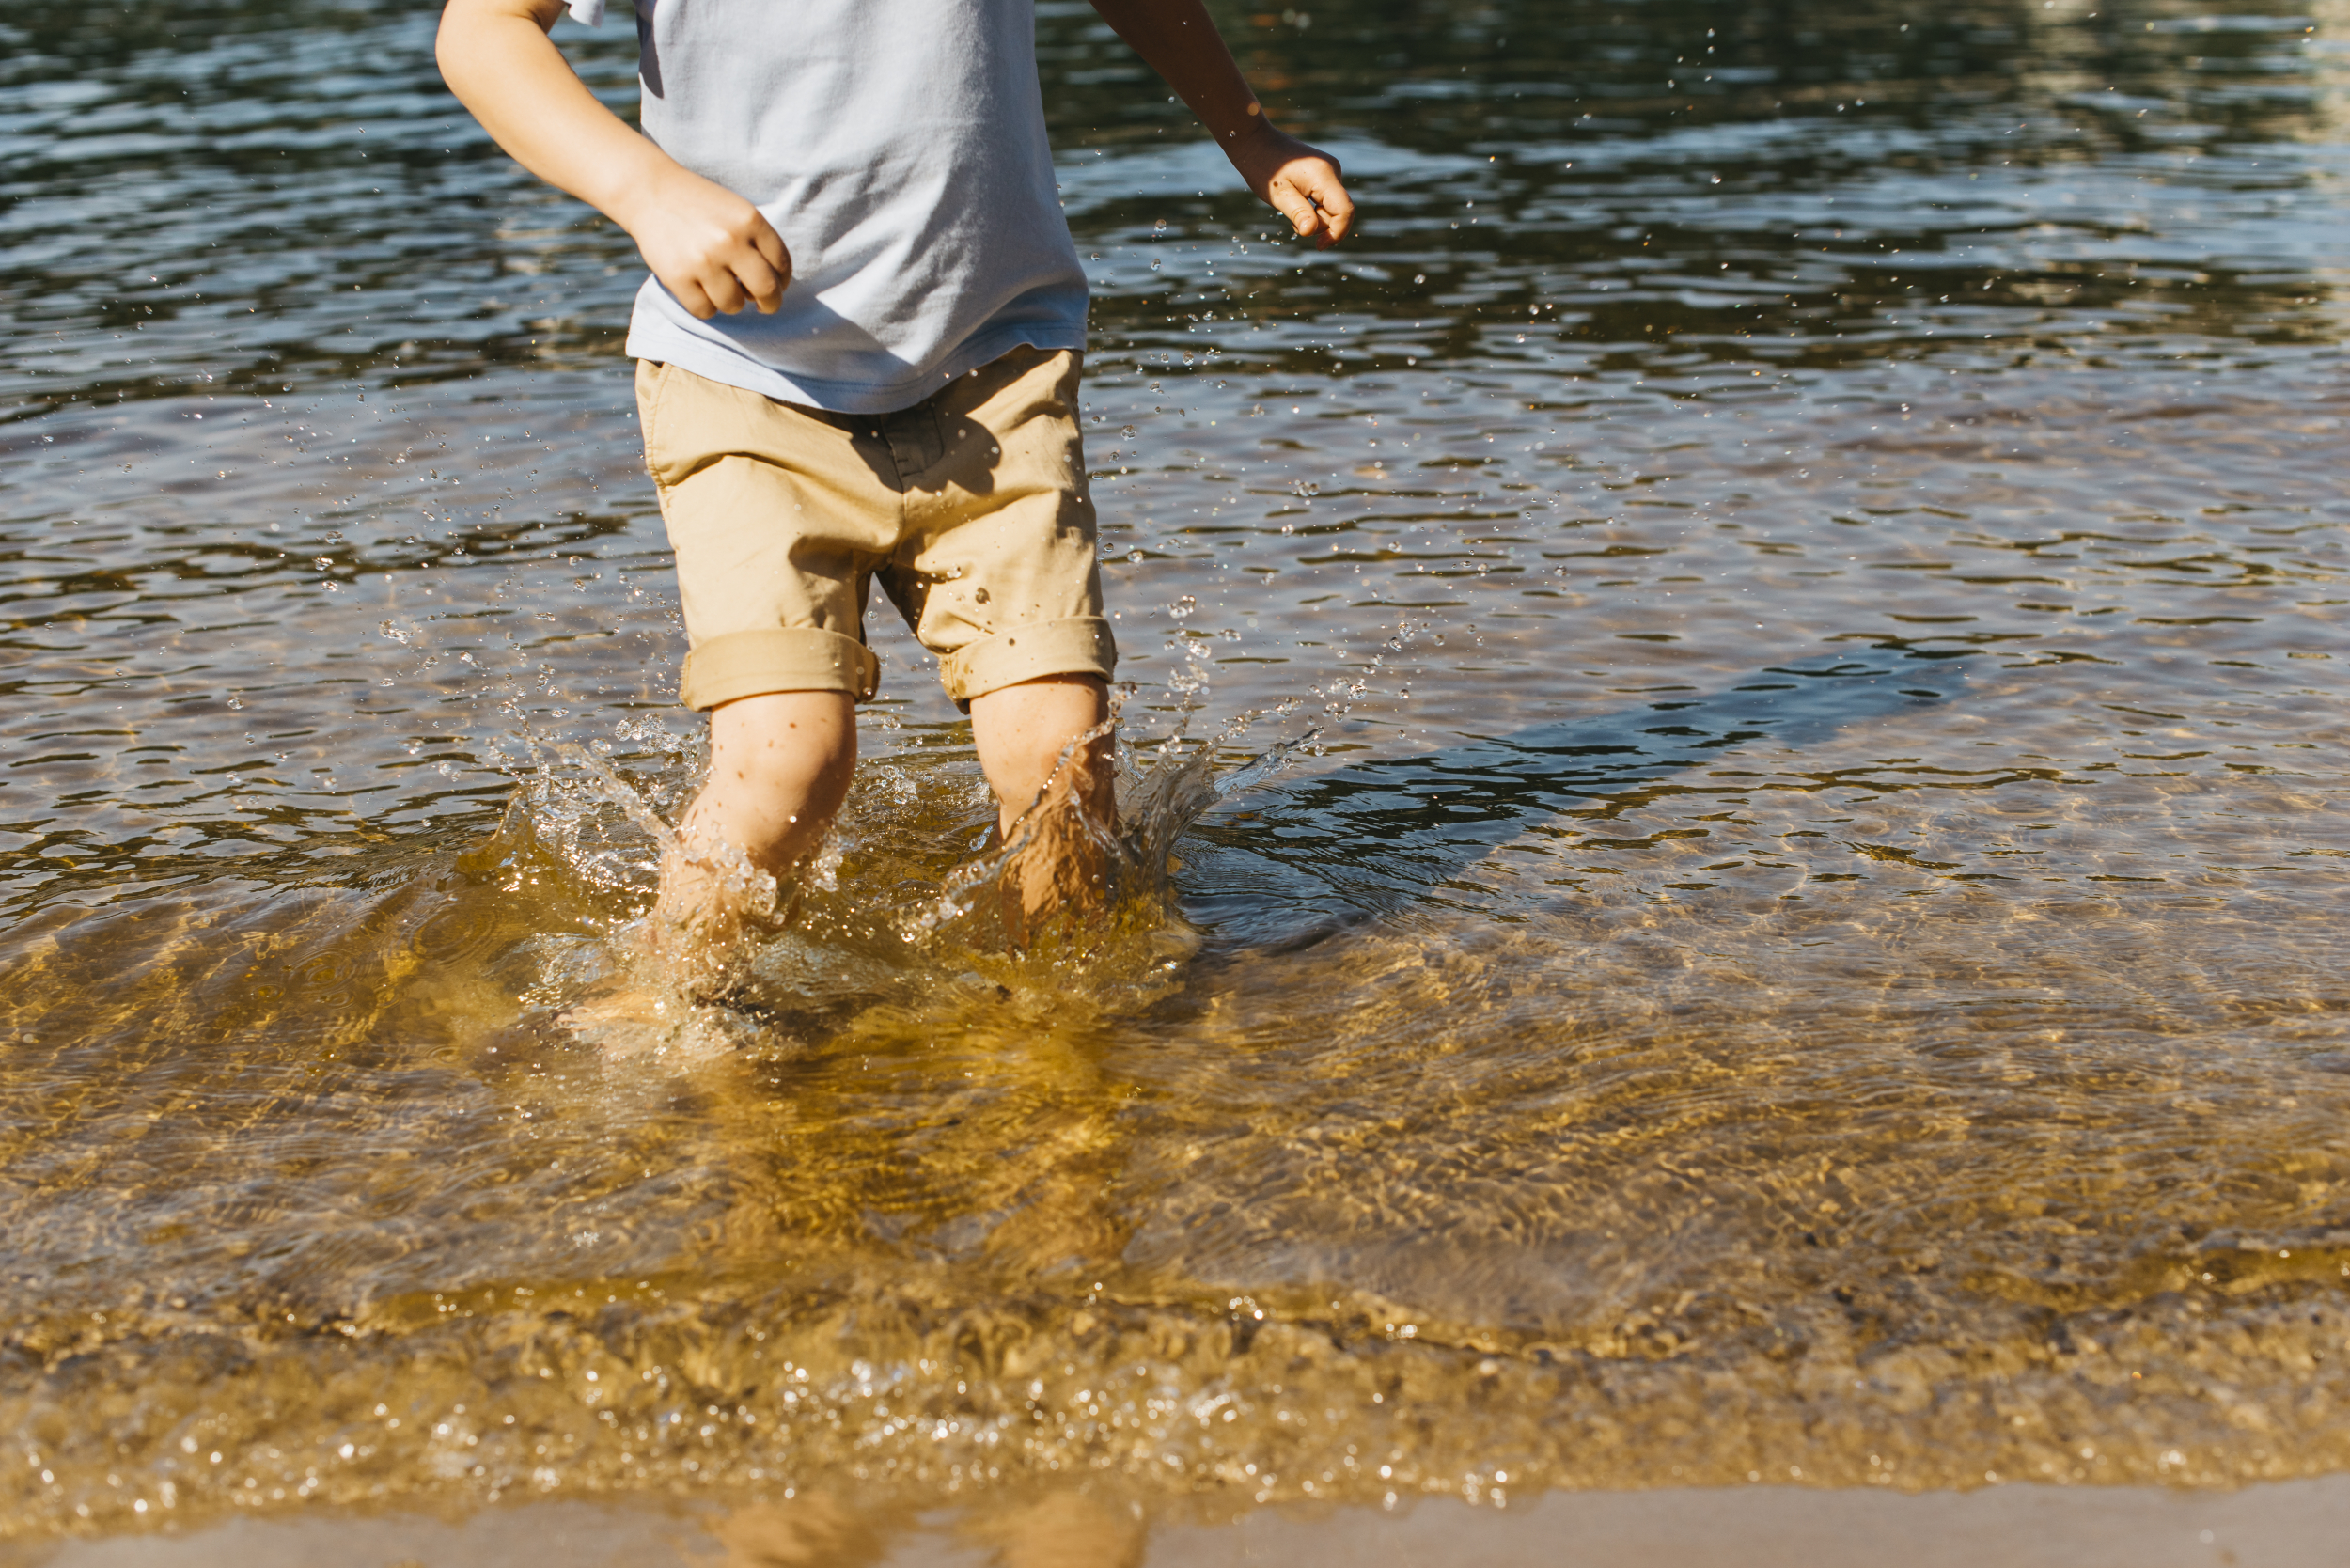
670 974
626 1022
1059 872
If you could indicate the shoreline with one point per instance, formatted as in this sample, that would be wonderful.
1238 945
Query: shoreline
2269 1525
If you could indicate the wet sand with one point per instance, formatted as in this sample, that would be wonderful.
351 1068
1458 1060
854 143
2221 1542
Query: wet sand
2280 1524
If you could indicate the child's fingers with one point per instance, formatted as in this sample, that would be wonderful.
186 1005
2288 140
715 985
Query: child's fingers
1291 203
1337 212
769 245
1317 179
760 280
771 250
757 264
1308 194
724 289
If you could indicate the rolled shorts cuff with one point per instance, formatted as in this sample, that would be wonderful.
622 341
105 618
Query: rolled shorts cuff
781 659
1080 645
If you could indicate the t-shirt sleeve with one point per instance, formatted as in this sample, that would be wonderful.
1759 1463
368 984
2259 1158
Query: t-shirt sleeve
589 11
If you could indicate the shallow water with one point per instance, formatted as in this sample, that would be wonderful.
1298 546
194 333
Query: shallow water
1807 947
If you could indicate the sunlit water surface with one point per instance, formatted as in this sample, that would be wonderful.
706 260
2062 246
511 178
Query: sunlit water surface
1808 946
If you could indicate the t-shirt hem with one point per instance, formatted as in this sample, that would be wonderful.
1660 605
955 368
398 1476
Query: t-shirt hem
655 339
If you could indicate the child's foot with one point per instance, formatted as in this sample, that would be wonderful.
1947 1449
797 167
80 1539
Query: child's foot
1058 868
664 971
627 1022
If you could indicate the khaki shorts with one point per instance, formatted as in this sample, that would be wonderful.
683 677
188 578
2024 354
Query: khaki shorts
970 506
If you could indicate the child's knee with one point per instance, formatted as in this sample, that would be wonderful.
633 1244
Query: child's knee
787 741
793 762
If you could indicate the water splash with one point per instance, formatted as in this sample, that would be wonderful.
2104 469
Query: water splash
912 900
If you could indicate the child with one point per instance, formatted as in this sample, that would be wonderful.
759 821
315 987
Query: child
873 176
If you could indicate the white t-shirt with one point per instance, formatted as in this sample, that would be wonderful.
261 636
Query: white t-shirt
899 147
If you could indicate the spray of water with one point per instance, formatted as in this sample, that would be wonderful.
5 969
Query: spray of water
914 901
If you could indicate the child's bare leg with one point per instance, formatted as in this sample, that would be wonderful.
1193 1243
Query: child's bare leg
779 768
1021 732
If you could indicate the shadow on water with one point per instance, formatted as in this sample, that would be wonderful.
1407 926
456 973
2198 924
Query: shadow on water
1307 858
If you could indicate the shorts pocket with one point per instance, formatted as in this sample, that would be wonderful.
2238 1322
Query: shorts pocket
654 381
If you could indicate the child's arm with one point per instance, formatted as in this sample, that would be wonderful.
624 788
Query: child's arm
1179 42
709 247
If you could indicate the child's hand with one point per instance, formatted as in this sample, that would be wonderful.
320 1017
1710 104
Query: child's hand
1299 182
710 248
